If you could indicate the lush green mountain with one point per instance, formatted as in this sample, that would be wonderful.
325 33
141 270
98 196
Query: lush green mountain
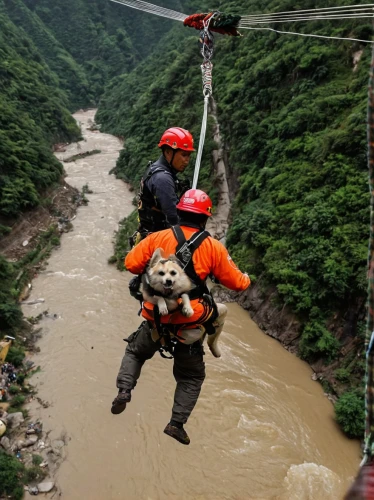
71 76
33 115
292 112
87 42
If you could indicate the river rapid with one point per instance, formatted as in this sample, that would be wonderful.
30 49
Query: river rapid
262 428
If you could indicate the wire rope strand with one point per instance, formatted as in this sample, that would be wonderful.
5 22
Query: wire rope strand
152 9
323 9
308 34
296 15
333 18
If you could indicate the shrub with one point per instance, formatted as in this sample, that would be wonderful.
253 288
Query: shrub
316 340
37 460
17 401
10 315
14 389
342 374
34 473
11 475
350 413
16 355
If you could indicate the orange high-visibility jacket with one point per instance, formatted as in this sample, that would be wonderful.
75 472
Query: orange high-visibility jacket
211 257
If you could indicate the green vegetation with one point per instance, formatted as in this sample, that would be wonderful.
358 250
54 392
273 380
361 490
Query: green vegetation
11 475
350 413
88 42
33 115
127 227
37 459
16 355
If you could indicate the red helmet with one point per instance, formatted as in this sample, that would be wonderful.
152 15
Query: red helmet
177 138
196 201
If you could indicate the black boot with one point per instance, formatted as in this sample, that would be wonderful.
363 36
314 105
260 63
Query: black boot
177 433
120 401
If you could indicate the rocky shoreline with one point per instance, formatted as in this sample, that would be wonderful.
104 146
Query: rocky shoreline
29 449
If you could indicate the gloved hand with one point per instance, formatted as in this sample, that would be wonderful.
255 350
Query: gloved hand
214 279
134 287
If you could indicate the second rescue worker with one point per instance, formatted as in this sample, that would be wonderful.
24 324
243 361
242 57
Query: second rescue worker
159 187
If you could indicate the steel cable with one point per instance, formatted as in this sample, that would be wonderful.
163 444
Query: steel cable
343 8
152 9
364 15
308 34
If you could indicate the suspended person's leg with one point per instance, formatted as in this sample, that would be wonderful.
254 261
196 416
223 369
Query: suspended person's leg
140 348
189 373
218 325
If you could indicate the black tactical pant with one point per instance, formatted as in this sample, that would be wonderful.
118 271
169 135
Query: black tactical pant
188 369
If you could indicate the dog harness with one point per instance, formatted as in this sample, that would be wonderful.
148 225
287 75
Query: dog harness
184 252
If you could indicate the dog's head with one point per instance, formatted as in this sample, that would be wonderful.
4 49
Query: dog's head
166 275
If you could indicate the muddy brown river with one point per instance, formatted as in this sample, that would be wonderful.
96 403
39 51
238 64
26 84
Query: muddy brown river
262 428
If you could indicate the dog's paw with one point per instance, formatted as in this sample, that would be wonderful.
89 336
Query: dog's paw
163 310
215 350
187 311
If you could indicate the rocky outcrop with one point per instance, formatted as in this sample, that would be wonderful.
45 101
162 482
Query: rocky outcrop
219 223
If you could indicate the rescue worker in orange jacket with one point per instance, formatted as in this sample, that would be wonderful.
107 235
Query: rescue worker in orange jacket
200 255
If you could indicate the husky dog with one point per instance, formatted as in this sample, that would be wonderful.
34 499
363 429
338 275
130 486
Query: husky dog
164 282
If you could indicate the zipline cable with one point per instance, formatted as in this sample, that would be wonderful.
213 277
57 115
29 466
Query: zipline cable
366 15
311 11
308 34
152 9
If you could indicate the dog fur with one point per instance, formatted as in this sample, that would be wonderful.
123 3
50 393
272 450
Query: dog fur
166 277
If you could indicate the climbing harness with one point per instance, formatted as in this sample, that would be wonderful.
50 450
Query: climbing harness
184 253
169 334
151 218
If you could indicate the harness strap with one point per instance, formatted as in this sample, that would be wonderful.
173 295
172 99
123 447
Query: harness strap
166 343
184 252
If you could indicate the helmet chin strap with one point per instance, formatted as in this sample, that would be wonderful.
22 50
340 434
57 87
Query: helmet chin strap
172 158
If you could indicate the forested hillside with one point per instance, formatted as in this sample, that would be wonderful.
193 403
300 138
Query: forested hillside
33 115
87 42
293 114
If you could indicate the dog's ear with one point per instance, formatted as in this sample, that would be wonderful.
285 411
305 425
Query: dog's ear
157 255
174 259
